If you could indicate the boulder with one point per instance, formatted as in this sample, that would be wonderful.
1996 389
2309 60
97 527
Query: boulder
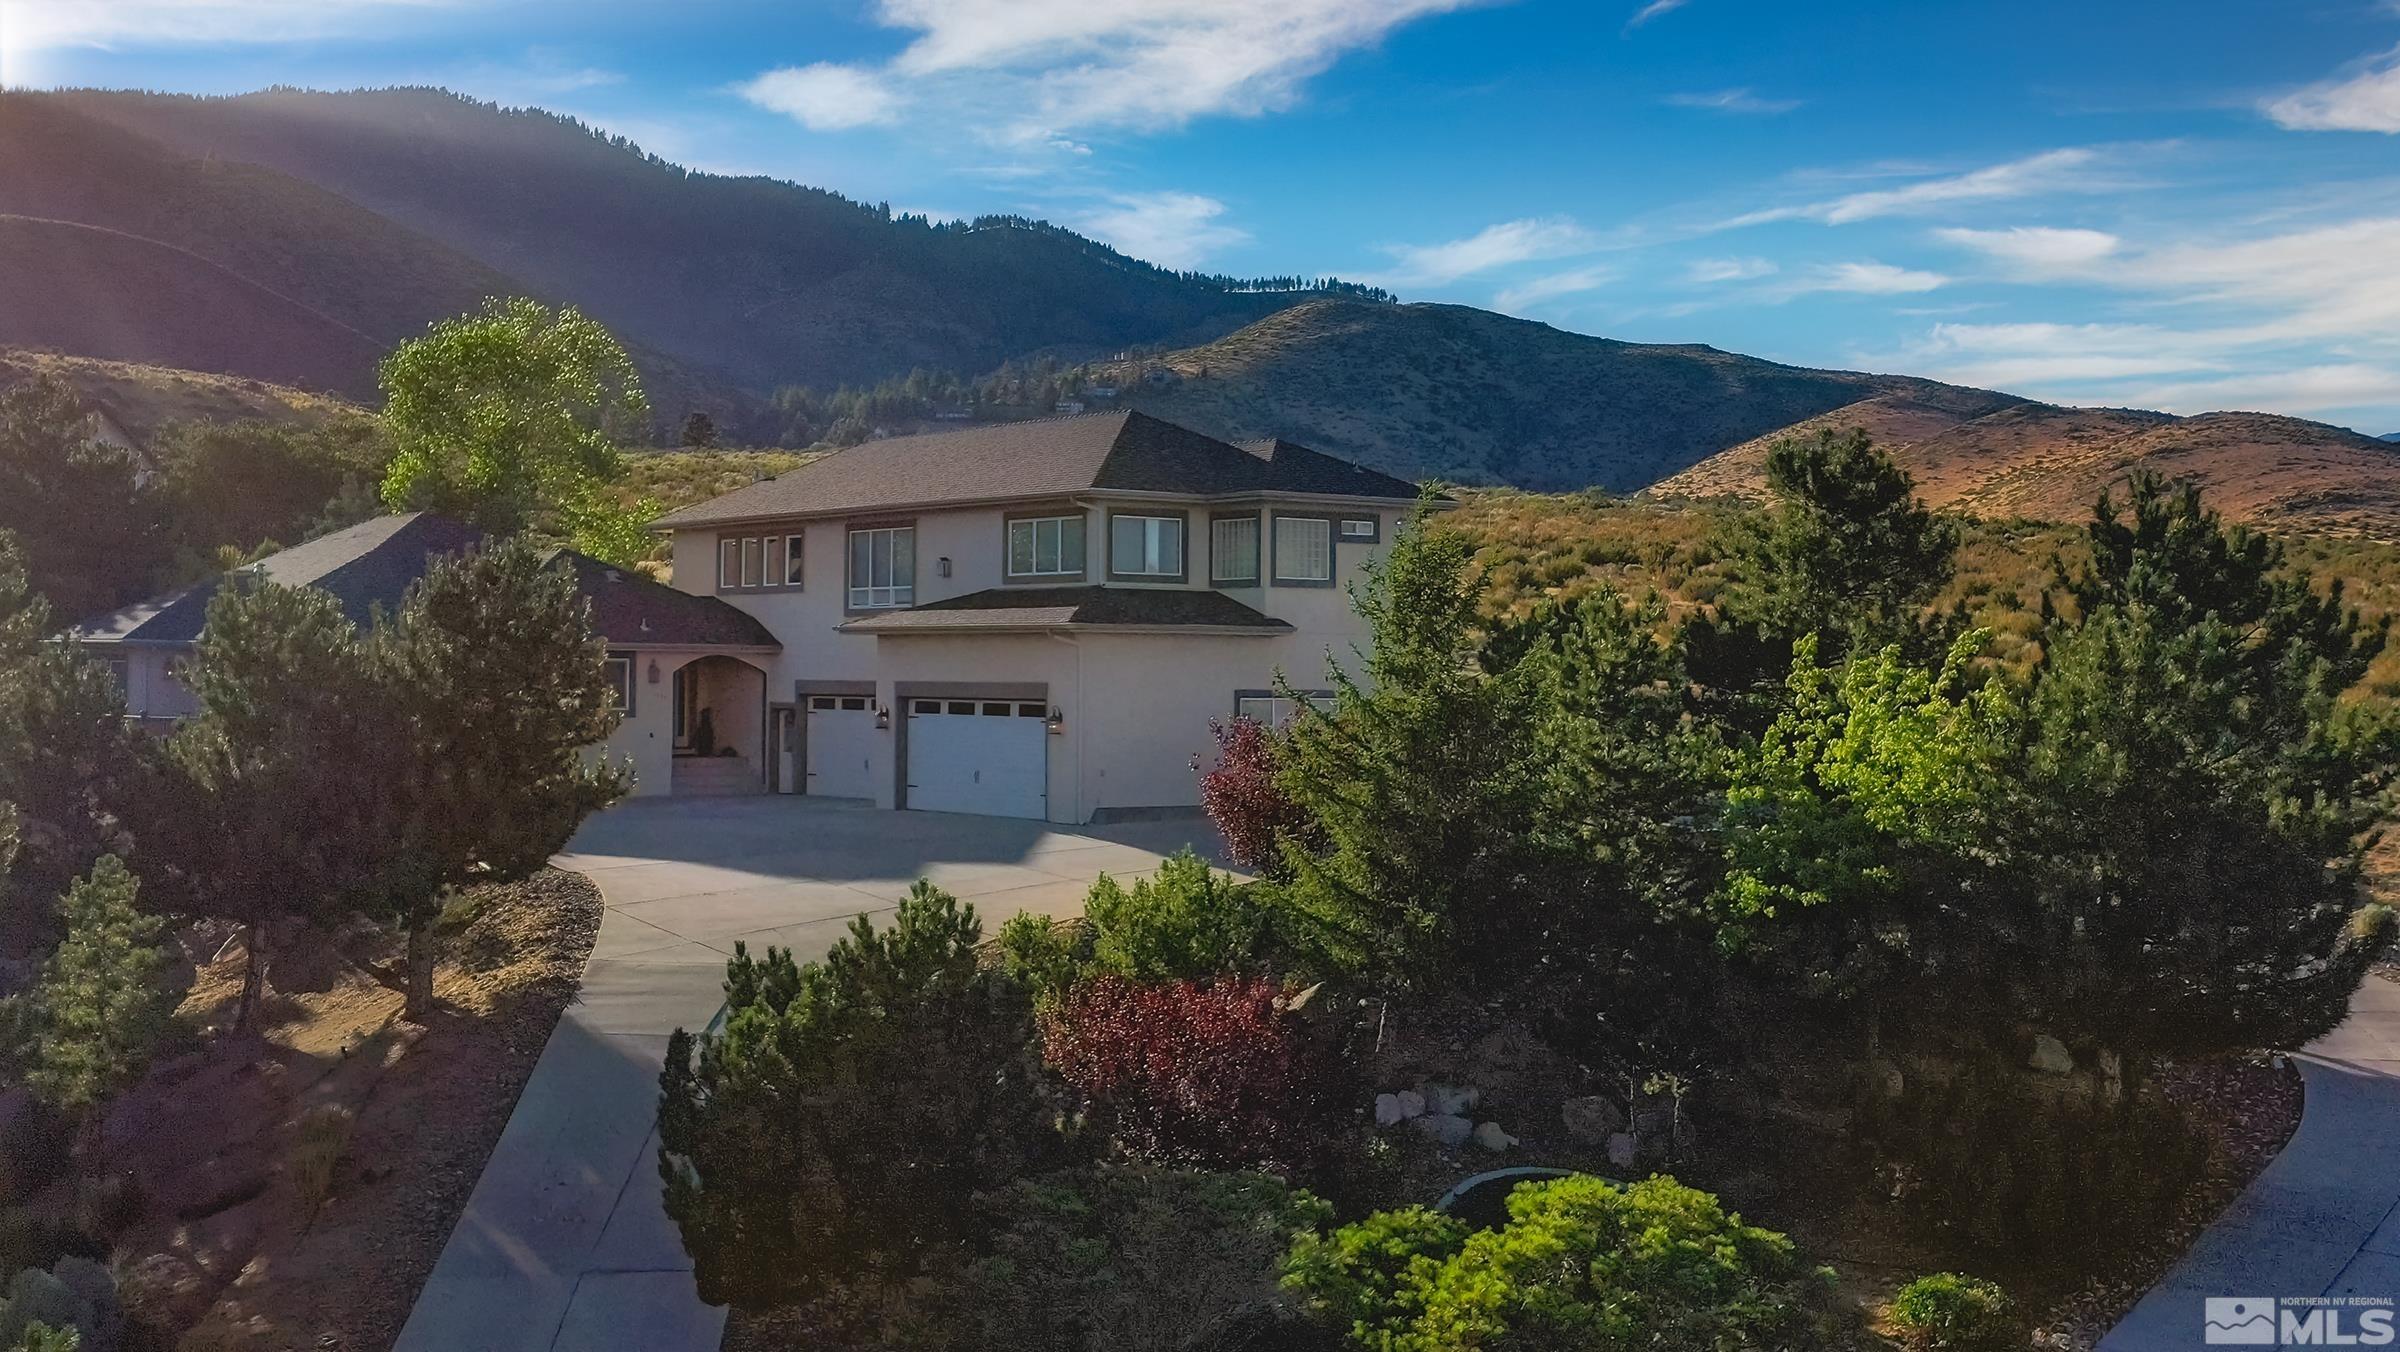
1410 1103
1492 1138
1620 1150
2050 1056
1387 1109
1447 1130
1450 1098
1591 1119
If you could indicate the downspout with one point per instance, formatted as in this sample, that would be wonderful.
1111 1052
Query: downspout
1082 711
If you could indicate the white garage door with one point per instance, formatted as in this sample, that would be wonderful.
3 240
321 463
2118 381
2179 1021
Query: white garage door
986 756
841 746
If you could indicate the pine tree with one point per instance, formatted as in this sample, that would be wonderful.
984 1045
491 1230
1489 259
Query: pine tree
699 430
96 1013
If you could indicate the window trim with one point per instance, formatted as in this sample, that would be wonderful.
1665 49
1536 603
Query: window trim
1183 560
1258 552
851 529
1320 697
1064 512
632 680
771 555
1333 565
795 560
729 578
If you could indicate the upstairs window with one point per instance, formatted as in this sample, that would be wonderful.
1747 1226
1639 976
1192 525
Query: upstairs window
791 560
883 568
1233 549
1050 546
1303 550
1145 546
753 562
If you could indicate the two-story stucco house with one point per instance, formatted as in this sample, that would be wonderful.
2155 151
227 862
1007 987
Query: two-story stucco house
1035 619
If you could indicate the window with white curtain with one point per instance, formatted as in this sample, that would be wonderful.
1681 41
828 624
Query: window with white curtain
1145 546
883 567
1303 549
1233 549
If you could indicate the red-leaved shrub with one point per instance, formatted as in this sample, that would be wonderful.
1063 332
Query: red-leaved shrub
1206 1073
1243 800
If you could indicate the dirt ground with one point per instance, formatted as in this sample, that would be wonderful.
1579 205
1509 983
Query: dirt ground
230 1249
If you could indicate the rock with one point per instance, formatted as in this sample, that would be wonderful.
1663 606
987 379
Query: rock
1448 1130
1620 1150
1492 1138
1411 1103
1450 1098
1387 1109
1591 1119
2050 1056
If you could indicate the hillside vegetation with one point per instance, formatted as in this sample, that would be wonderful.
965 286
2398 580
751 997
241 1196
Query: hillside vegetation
142 399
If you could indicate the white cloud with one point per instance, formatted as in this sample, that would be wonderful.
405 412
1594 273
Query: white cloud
2074 169
2368 100
1171 229
1493 246
1742 100
2055 356
2304 389
1862 279
1653 10
825 96
545 73
2036 248
1572 282
36 24
1034 70
1710 271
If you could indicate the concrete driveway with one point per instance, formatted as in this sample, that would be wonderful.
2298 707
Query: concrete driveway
564 1246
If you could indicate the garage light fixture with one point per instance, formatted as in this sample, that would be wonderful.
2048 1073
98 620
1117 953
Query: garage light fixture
1056 722
883 717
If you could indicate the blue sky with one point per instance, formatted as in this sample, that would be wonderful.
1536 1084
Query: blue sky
2186 205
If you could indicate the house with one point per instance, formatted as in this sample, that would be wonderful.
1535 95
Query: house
673 655
1034 619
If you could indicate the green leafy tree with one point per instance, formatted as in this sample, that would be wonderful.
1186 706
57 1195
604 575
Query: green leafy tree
840 1124
510 418
95 1014
245 484
87 529
491 690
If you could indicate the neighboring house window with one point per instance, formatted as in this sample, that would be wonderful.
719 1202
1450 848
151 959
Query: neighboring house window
1233 549
1272 710
120 670
1303 549
1360 527
883 568
1049 546
1146 546
620 676
791 560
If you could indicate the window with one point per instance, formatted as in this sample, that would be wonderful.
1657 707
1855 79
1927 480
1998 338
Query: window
1360 527
1146 546
1050 546
120 670
729 564
1270 709
791 560
751 562
883 568
1303 549
1233 549
620 676
771 575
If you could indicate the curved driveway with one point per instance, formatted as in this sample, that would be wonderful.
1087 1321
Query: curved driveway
564 1245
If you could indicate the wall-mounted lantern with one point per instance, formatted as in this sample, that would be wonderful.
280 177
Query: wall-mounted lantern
653 671
1056 722
883 717
941 566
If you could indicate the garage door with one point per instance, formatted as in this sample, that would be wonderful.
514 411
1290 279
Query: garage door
986 756
841 746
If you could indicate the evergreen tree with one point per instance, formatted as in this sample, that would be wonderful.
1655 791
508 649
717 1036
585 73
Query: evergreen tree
493 690
87 529
248 483
699 430
95 1015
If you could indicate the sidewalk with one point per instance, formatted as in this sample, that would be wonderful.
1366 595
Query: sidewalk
2324 1218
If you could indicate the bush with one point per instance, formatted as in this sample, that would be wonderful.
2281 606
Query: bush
1242 799
1188 923
76 1295
1947 1312
317 1154
1219 1074
1582 1263
1116 1258
43 1338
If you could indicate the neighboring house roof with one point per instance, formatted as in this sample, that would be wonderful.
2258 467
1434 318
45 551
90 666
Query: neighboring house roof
372 565
1091 607
1122 451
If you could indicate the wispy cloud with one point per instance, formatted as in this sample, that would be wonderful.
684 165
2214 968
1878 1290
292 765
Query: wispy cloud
38 24
1171 229
2036 248
2074 169
545 73
1743 100
1867 278
1494 246
1653 10
1037 69
825 96
1574 281
1711 271
2366 99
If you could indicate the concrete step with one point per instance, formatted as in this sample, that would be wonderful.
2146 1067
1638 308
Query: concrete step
716 776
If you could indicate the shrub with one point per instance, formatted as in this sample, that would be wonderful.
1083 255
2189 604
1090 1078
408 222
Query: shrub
43 1338
317 1153
1582 1263
1947 1312
839 1126
1187 923
1118 1258
76 1296
1242 799
1217 1073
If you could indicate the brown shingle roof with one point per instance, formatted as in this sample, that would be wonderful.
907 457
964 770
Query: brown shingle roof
1046 457
1087 607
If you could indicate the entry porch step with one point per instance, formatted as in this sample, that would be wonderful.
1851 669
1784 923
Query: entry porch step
715 776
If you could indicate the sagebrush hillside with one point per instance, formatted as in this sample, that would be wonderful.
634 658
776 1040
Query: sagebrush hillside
140 399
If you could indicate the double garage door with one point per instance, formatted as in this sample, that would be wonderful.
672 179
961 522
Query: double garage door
985 756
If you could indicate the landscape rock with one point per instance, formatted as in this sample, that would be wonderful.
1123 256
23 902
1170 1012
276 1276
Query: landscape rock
1387 1109
1620 1150
2050 1056
1492 1138
1445 1129
1591 1119
1450 1098
1410 1102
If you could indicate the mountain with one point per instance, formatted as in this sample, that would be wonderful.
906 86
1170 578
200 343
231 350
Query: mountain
139 399
2050 463
762 281
1481 398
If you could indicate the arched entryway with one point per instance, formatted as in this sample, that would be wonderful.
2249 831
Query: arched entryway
720 726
